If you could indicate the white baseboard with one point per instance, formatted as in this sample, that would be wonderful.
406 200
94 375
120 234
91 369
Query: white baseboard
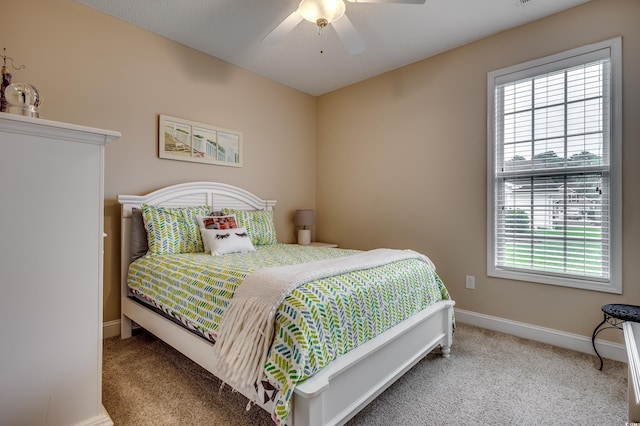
558 338
110 329
614 351
101 420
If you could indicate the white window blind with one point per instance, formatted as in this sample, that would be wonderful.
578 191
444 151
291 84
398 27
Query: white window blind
554 178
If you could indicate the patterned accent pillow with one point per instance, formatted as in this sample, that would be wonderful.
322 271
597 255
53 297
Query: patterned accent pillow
231 240
172 230
218 222
259 224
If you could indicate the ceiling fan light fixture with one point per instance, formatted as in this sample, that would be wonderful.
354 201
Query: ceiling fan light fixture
321 12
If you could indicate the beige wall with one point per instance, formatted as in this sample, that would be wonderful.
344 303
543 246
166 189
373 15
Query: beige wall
94 70
402 163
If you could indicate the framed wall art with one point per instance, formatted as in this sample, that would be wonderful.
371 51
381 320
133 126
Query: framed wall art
185 140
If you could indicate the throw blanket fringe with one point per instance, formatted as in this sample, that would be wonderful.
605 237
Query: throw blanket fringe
247 327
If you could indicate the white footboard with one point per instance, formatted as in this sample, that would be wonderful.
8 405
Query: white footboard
341 389
336 393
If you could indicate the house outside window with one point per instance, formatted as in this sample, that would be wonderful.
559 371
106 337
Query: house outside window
554 169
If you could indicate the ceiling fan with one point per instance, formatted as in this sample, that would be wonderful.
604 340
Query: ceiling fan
323 13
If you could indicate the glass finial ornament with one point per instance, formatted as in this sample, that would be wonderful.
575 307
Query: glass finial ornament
24 99
6 80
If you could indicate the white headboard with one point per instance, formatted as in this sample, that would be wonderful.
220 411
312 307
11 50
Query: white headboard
214 194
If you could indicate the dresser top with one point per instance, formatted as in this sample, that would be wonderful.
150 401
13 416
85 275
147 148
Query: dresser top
13 123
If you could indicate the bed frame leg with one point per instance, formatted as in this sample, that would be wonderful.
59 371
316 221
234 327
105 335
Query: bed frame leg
445 351
125 327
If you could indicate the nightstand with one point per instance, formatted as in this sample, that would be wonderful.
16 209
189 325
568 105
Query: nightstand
319 244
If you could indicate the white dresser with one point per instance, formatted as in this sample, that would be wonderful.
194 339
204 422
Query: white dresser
51 251
632 343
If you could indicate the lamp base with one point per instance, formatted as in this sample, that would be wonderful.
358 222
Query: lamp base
304 237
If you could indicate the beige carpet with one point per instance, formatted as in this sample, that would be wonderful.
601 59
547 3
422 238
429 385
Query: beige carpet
490 379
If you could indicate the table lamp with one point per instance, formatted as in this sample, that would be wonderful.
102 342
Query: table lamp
303 219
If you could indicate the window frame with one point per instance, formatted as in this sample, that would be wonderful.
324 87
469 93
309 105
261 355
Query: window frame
563 60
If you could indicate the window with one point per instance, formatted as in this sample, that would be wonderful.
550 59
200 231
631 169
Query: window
554 175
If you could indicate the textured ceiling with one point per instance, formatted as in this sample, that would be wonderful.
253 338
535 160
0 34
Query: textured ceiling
395 34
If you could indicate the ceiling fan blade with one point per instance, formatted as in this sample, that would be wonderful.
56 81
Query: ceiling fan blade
389 1
349 35
283 28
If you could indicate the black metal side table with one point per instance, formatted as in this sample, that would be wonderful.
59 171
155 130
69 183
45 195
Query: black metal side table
614 315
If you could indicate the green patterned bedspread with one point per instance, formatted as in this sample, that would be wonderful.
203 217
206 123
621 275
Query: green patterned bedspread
316 323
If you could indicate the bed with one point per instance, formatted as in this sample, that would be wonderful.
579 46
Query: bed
338 382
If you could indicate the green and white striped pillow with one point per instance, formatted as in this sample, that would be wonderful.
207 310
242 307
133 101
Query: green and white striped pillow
172 230
259 225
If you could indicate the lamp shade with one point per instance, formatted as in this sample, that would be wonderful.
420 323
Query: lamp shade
305 218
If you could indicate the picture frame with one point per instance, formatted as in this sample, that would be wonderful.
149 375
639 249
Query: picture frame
186 140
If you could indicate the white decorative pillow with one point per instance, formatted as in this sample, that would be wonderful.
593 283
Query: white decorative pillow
214 222
223 241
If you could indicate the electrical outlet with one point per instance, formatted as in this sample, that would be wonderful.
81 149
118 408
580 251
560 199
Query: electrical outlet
471 282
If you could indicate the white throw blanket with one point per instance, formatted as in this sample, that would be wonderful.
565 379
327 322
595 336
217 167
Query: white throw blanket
246 331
